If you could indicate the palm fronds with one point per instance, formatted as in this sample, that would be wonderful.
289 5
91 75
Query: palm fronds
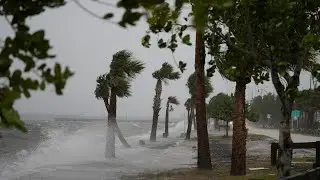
103 87
124 64
123 68
166 72
173 100
191 84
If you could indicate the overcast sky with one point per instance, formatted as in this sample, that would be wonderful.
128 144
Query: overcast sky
87 44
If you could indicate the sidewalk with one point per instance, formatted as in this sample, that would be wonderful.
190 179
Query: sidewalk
273 133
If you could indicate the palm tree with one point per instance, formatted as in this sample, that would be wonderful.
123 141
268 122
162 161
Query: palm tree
191 84
190 111
123 69
171 100
165 73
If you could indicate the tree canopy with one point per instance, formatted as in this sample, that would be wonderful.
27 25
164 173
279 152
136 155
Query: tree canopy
267 104
191 84
221 107
166 72
123 68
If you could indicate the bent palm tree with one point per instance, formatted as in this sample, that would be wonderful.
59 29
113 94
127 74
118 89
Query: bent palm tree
123 69
171 100
162 75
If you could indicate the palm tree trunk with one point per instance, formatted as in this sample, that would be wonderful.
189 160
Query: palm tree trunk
190 115
120 135
238 160
204 157
110 151
156 110
113 128
112 114
166 128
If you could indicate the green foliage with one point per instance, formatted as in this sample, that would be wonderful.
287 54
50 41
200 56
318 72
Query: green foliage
123 68
308 100
33 50
191 84
230 40
166 72
289 43
10 118
267 104
221 107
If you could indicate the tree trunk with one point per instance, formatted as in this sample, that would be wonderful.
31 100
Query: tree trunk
310 119
166 125
204 157
238 159
194 121
190 115
113 128
110 151
285 142
112 114
227 128
156 110
120 135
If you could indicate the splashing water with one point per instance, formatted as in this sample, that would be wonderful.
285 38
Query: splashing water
83 151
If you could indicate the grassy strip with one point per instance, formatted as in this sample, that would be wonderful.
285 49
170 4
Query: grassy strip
220 172
250 137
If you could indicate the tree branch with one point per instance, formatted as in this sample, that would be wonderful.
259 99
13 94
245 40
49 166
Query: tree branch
8 21
276 79
287 77
104 3
295 78
93 14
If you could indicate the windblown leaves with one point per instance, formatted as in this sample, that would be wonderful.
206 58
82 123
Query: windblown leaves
191 84
123 68
166 72
33 50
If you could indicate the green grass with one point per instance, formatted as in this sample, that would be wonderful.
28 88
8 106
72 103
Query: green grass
250 137
220 172
304 159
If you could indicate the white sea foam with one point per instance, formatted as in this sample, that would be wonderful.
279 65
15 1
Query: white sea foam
83 153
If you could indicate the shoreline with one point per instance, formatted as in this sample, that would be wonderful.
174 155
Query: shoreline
258 155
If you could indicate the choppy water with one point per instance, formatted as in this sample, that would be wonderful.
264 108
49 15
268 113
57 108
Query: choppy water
61 144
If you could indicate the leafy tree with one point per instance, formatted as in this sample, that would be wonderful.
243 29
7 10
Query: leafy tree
116 83
221 107
33 50
267 104
171 100
231 40
308 101
164 74
289 44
